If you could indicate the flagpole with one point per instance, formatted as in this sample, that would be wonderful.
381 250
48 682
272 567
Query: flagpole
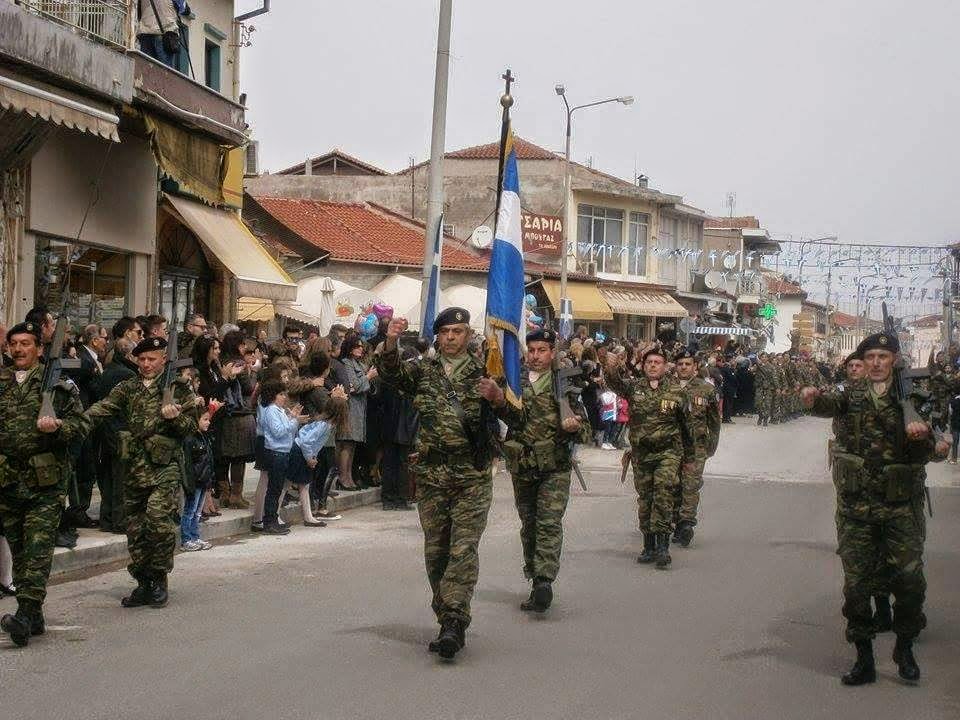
506 101
437 146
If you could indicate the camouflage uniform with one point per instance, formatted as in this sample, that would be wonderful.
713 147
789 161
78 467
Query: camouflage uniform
660 442
538 456
765 390
704 426
779 393
878 473
33 468
154 469
453 496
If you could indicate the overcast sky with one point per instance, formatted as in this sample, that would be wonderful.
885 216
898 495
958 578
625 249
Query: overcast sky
823 116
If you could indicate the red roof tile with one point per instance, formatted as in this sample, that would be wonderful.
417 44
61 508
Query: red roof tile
778 286
525 150
737 223
299 168
842 320
354 232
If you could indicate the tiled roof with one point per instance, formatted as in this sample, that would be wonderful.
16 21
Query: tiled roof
299 168
778 286
843 320
525 150
355 232
737 223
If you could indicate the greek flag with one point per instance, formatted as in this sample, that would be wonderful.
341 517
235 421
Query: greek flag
505 283
433 288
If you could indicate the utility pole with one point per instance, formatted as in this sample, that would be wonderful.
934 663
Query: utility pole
437 146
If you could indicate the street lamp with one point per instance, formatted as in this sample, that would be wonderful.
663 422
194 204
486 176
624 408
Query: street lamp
566 306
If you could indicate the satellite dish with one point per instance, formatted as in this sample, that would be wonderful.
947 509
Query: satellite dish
713 279
730 262
481 238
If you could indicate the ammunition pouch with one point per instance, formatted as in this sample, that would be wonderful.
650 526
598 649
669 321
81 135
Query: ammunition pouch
161 450
848 473
545 455
901 482
513 455
124 445
47 472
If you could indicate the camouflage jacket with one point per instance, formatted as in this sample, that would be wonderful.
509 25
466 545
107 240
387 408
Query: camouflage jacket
659 417
876 468
425 383
765 377
19 438
780 378
537 423
704 415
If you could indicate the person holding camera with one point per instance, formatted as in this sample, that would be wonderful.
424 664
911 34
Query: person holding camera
158 31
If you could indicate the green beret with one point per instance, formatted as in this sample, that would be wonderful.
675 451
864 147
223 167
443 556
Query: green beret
855 355
24 328
542 335
878 341
451 316
149 344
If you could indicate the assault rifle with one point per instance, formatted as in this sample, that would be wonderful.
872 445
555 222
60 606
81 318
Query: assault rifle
53 366
903 387
562 388
173 365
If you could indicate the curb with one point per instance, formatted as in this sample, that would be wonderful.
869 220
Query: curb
96 549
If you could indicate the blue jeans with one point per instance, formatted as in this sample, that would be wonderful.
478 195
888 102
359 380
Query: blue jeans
190 518
277 463
152 45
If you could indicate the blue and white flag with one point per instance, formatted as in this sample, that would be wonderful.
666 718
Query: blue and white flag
504 320
433 287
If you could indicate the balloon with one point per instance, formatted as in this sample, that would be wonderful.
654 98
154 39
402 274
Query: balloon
529 301
383 312
367 325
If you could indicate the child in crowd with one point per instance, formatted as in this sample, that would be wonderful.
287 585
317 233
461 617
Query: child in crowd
279 426
331 417
198 454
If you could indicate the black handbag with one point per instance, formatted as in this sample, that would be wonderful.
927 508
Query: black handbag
170 38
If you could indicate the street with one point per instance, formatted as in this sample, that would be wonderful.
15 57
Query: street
334 622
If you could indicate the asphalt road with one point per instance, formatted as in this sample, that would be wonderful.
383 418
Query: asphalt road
333 622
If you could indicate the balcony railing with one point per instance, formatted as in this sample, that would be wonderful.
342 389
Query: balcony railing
105 20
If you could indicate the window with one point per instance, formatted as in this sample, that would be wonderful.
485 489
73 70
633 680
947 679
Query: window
637 248
639 328
600 237
182 62
179 296
666 244
211 65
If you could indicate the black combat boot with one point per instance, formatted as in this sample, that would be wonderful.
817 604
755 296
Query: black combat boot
451 639
38 626
662 552
882 618
864 669
683 533
903 656
759 420
649 549
157 595
542 595
140 594
527 605
17 626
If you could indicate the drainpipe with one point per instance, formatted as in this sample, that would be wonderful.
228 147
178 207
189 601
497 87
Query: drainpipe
262 10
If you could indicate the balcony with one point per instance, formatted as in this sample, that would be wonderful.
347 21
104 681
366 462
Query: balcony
102 20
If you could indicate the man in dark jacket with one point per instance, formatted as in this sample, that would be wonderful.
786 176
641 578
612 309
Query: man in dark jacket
109 438
729 389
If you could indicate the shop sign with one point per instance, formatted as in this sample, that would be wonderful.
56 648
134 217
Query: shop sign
542 234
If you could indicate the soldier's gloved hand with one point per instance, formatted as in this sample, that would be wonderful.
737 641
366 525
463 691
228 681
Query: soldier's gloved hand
918 430
571 424
491 392
170 412
396 327
48 424
808 396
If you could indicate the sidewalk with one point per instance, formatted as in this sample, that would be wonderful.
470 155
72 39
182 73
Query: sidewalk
96 548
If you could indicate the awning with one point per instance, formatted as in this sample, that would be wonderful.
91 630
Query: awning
712 330
255 310
588 303
86 115
298 315
651 303
256 273
194 162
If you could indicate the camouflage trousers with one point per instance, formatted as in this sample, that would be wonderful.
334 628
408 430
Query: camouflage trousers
687 499
879 556
453 502
541 502
764 403
30 520
655 477
152 510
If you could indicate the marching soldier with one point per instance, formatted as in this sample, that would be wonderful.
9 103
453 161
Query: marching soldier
538 456
455 453
153 467
764 384
704 426
660 443
878 470
34 453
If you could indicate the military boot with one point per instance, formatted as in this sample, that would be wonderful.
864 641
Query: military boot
864 669
157 595
451 638
683 533
649 549
662 552
17 626
542 595
38 626
882 618
140 594
527 605
759 420
903 656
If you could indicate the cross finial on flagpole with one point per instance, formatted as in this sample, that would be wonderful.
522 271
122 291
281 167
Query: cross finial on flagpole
507 99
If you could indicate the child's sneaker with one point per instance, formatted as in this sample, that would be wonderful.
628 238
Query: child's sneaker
204 545
191 546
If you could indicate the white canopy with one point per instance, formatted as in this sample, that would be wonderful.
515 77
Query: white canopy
332 301
470 298
402 293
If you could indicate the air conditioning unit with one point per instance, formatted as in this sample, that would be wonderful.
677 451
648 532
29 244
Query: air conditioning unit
590 268
252 159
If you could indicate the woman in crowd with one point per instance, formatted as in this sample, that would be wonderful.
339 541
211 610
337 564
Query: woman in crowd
234 426
206 362
325 471
357 385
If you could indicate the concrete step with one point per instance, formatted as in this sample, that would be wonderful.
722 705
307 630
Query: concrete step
96 549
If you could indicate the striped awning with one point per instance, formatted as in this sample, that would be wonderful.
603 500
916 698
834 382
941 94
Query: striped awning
712 330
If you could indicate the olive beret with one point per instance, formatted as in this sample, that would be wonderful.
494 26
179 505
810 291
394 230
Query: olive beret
451 316
149 344
878 341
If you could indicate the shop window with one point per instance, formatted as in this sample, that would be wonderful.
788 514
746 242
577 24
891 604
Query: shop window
637 250
185 275
178 298
93 281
